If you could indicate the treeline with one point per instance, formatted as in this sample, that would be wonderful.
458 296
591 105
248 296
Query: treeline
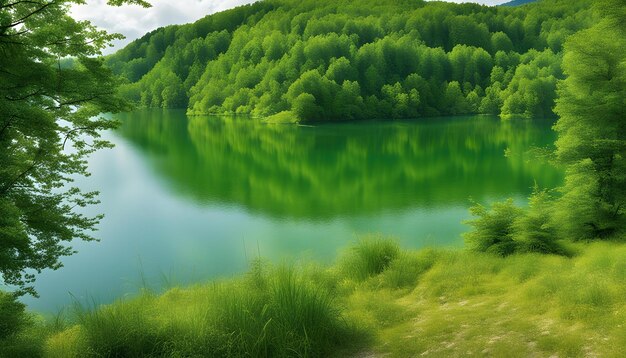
334 60
591 147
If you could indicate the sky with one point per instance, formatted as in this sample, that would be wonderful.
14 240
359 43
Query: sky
134 21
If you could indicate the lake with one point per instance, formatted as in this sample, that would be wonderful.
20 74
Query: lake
189 199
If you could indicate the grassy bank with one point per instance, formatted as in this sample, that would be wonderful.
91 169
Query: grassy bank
376 300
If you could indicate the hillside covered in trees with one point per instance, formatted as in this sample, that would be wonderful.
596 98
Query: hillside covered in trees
517 2
335 60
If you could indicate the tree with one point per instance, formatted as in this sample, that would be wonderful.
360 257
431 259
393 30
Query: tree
49 124
501 42
454 101
592 127
374 45
306 109
341 70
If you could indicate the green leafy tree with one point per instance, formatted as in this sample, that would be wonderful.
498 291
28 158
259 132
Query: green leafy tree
341 70
454 100
532 89
48 125
501 42
592 127
306 109
256 52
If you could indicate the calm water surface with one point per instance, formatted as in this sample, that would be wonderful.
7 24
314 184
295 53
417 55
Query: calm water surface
191 199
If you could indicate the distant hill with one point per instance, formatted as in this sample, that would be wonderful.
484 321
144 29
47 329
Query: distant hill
517 2
309 60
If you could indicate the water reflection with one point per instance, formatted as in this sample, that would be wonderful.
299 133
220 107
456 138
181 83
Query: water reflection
196 197
332 170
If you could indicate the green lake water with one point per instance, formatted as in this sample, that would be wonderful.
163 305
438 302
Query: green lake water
189 199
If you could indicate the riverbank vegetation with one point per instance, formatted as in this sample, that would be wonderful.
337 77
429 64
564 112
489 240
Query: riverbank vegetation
544 280
340 60
377 299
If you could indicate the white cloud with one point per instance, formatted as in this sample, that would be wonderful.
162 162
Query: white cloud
134 21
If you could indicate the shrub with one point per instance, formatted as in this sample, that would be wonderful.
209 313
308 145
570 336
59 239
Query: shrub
18 335
534 230
493 229
13 318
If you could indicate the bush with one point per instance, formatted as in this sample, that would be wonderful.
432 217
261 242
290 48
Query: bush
13 318
18 335
507 229
534 231
493 229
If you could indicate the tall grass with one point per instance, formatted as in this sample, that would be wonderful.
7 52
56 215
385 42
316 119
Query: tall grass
281 314
272 312
377 300
126 329
369 256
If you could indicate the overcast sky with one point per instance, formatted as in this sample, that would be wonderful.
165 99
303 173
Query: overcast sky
134 21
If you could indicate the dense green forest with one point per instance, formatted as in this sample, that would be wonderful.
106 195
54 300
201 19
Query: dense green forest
339 60
517 2
509 295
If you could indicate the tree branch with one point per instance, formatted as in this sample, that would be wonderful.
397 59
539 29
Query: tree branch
22 174
23 19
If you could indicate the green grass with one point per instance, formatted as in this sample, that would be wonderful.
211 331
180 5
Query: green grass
368 257
523 305
271 312
284 117
377 300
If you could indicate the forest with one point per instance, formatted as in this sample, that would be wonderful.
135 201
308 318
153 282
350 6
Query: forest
340 60
542 277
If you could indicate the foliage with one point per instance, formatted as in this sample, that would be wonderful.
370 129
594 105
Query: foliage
535 230
13 318
19 334
493 229
592 129
444 303
506 229
340 60
48 127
